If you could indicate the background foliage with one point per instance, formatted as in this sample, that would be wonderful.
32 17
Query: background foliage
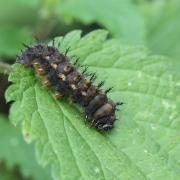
145 143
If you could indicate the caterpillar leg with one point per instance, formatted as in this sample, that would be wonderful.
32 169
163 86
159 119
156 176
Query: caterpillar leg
47 83
39 69
58 95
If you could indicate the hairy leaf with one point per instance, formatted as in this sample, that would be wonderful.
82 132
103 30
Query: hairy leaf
15 152
145 142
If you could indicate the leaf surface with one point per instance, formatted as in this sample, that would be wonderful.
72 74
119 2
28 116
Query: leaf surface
145 141
163 26
15 152
11 39
120 17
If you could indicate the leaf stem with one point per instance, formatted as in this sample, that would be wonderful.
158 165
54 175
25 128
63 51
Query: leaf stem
5 68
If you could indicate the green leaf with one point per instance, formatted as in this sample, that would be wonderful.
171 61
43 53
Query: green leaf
145 142
163 26
18 12
120 17
11 39
15 152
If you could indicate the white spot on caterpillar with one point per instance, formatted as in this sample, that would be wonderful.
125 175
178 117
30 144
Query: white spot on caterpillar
54 66
73 86
47 57
83 93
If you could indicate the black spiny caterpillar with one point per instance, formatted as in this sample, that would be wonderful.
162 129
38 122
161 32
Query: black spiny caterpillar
63 76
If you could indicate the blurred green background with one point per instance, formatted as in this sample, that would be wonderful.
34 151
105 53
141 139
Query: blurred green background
154 24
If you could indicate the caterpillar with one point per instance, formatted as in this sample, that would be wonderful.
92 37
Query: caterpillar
63 76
